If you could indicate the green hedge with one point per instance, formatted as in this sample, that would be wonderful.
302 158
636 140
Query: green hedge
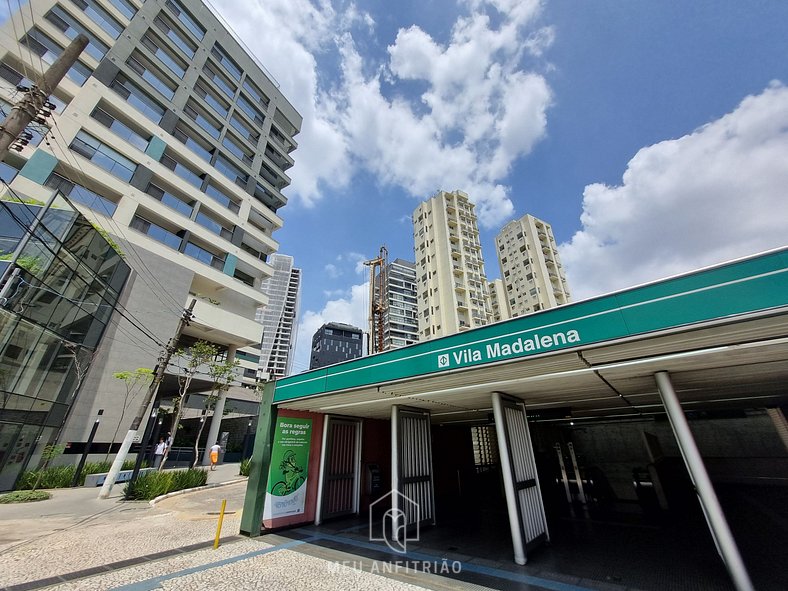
154 484
61 476
246 465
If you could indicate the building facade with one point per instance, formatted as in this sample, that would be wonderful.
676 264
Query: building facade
172 138
54 312
335 342
452 286
499 302
530 266
400 321
279 318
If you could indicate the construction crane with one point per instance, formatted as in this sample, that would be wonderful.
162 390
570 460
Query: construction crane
378 303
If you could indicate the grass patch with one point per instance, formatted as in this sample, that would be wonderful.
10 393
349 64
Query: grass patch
24 496
154 484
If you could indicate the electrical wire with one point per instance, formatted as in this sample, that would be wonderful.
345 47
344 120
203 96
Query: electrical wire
81 173
119 307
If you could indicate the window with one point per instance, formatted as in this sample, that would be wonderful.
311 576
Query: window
186 19
48 50
104 156
156 232
250 110
151 74
166 26
101 17
201 118
231 171
246 132
169 59
203 255
184 135
81 194
183 171
137 97
170 200
213 100
212 225
218 195
121 129
226 61
219 80
257 95
71 28
236 149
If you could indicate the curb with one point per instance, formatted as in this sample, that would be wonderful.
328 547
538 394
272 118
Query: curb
176 493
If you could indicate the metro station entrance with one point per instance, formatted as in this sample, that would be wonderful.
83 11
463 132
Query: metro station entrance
559 417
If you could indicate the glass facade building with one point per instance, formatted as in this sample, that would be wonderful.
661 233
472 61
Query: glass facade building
53 313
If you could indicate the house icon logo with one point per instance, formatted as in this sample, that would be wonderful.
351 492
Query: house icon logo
443 361
399 523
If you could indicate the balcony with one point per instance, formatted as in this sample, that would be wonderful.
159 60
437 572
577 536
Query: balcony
215 323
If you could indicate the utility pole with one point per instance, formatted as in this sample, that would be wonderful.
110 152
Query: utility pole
158 374
34 105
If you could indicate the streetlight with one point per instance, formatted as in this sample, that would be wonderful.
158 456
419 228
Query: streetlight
86 451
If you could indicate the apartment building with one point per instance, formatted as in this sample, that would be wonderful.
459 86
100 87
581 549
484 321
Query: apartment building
335 342
170 136
530 266
499 302
400 321
452 286
279 318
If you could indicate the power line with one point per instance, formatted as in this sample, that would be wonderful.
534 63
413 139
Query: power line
75 163
119 307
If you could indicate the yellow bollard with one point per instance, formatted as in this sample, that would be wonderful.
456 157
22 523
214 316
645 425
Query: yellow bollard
219 526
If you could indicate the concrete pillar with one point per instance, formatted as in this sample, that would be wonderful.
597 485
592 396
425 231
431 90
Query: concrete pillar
715 518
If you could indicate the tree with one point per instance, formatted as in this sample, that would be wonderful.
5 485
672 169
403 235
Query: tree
50 453
223 376
136 382
198 354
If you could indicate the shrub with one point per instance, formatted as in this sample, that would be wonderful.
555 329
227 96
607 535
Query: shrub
24 496
61 476
154 484
246 465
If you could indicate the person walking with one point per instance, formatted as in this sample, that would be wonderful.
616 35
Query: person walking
158 453
215 449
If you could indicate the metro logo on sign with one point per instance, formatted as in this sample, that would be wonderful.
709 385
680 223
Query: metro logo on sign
443 361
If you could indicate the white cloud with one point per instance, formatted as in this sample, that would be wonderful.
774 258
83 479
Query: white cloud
332 271
351 309
478 111
716 194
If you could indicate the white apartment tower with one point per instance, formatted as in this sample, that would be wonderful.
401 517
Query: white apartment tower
452 288
499 301
400 323
530 266
171 136
279 318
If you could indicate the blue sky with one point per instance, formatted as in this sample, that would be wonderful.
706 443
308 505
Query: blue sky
653 136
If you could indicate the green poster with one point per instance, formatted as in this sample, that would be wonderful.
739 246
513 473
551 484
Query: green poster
289 463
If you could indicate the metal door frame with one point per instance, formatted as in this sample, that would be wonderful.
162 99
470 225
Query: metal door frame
321 488
396 468
512 486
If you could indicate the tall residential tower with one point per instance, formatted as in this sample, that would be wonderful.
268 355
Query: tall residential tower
279 318
530 266
452 287
400 323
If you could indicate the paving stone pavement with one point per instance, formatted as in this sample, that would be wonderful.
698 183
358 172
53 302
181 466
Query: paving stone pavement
44 544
